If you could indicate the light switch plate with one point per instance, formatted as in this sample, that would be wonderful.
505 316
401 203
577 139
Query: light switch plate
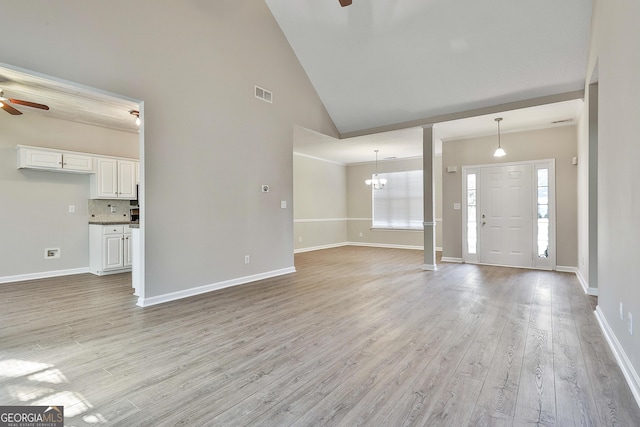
283 204
456 206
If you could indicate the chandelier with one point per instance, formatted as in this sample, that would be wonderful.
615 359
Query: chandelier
375 182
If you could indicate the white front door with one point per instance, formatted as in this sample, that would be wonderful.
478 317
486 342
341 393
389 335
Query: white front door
505 209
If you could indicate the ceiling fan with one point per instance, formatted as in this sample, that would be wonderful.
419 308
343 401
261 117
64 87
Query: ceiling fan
4 104
344 3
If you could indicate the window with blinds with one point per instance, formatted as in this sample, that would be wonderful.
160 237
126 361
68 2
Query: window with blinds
399 204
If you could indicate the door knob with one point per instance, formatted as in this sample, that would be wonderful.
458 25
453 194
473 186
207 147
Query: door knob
483 223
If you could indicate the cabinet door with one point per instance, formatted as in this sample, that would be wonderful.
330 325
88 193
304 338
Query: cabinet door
126 180
113 253
106 179
77 162
41 159
128 250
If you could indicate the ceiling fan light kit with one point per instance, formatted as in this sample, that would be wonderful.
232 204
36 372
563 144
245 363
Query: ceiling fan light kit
4 104
136 116
344 3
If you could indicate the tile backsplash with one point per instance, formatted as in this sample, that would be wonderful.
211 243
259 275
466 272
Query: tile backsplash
100 210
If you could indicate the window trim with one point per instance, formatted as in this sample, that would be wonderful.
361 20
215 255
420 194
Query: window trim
389 177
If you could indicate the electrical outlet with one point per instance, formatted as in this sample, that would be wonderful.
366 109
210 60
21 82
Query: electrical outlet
621 312
50 253
360 234
72 209
283 204
630 318
113 209
247 259
300 239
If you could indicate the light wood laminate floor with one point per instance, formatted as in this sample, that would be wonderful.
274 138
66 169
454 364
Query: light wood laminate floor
358 336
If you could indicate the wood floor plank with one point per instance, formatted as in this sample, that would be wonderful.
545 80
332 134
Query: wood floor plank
357 336
574 394
500 389
536 402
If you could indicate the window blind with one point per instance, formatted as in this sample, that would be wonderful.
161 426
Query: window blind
399 204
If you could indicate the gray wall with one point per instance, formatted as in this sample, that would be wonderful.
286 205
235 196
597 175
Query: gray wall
35 204
208 143
359 206
320 203
614 48
332 205
556 143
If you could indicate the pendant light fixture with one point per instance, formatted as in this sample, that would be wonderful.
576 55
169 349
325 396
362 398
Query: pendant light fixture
499 151
377 183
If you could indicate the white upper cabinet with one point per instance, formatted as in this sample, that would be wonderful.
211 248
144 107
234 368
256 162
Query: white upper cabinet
54 160
113 179
77 162
127 179
104 183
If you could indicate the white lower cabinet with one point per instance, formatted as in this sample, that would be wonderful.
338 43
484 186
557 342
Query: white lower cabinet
109 249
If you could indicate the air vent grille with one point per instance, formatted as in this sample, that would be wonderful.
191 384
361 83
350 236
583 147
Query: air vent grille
264 95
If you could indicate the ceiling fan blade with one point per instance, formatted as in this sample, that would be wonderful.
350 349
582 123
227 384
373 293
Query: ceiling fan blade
29 104
344 3
9 109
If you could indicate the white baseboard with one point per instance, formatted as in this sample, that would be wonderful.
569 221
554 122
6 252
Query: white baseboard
451 259
438 249
429 267
385 245
43 275
583 282
317 248
628 371
172 296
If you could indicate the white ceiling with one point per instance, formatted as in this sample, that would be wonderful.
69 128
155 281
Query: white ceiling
67 101
383 62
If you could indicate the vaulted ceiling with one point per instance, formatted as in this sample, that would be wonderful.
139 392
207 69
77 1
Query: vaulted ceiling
382 62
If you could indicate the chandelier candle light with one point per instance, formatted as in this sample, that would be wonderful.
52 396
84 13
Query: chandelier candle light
377 183
499 152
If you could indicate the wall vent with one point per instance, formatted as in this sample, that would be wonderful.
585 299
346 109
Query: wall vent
264 95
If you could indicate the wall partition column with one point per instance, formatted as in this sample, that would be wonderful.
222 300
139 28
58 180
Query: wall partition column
429 199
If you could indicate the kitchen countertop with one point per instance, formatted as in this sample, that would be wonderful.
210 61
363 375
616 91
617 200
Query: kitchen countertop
109 222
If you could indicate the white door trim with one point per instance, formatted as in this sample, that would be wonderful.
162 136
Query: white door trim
548 263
